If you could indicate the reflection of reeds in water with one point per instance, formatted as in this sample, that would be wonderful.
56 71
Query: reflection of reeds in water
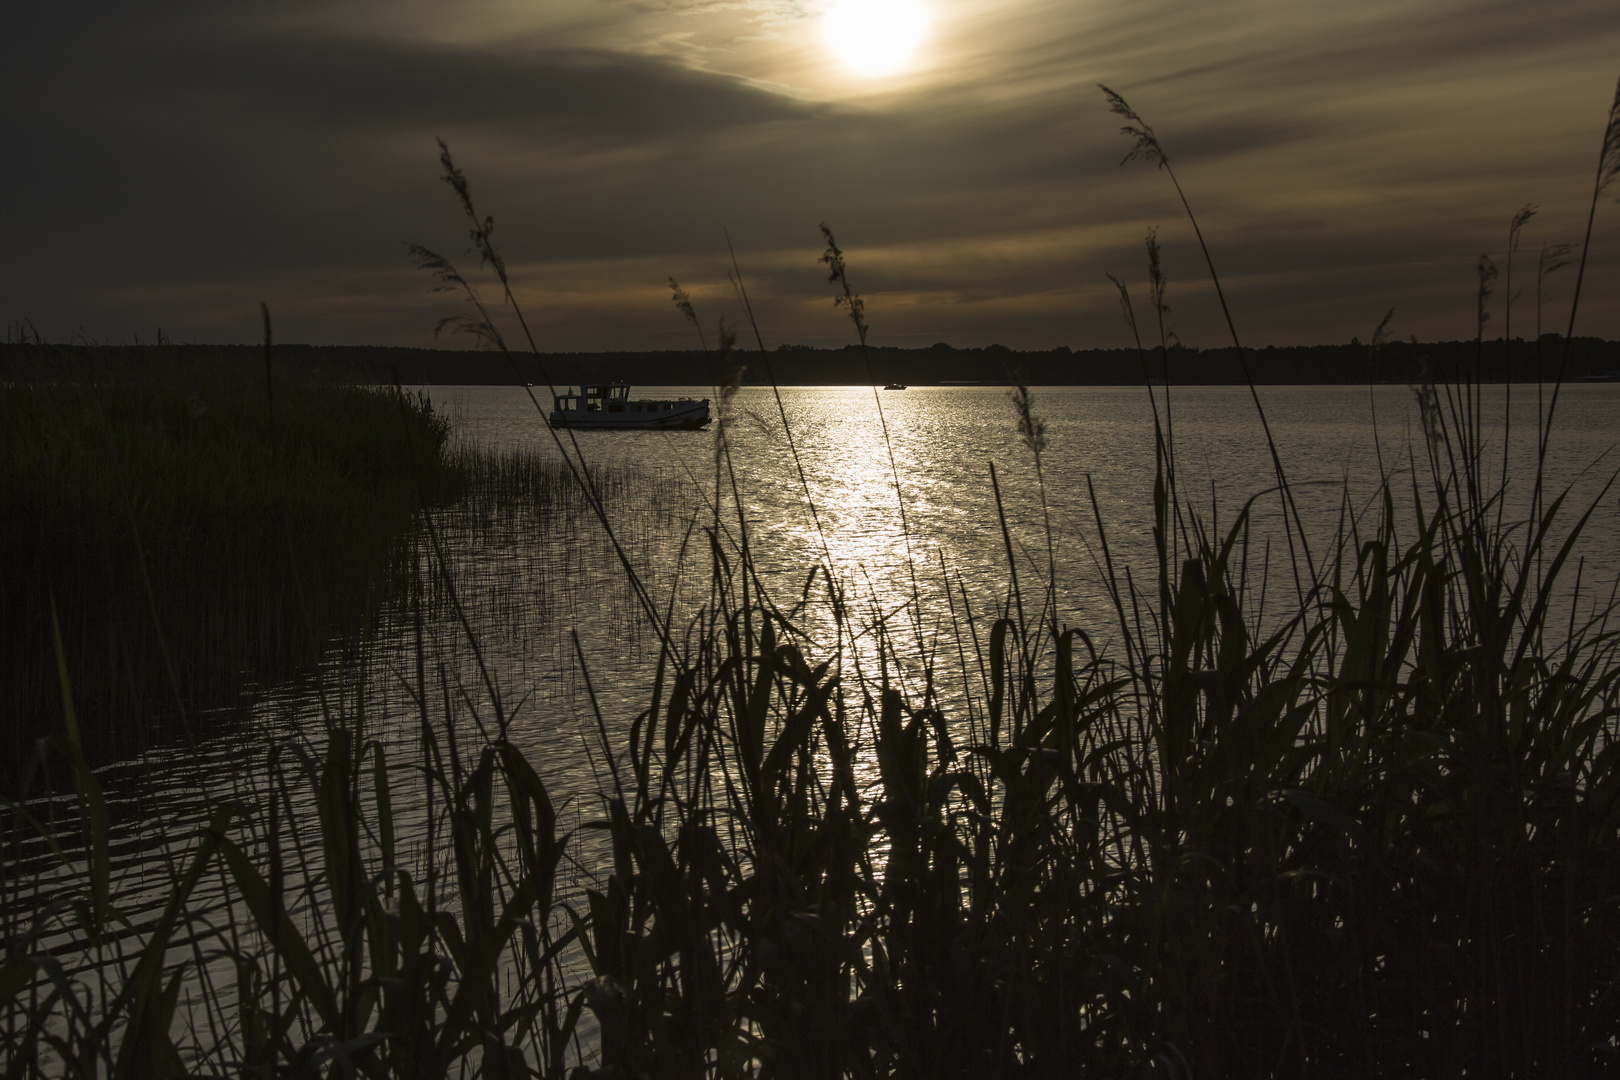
1372 829
509 481
524 553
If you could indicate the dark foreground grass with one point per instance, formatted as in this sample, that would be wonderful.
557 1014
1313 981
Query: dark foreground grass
196 533
1360 821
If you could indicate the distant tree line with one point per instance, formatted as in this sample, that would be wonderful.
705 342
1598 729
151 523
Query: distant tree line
1396 362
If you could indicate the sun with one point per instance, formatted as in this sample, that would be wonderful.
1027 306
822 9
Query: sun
875 37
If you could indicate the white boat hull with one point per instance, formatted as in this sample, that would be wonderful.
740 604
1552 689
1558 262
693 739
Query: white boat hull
686 415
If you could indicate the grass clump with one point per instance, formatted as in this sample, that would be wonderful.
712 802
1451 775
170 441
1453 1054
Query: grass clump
195 534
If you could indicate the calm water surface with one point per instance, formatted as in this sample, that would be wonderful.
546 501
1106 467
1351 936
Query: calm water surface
1334 443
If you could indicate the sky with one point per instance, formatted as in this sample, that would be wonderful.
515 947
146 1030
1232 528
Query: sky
171 163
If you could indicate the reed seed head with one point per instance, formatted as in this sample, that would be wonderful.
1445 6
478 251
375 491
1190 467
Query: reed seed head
1381 334
482 228
1157 281
449 279
683 301
1031 428
837 274
1428 399
1554 257
1526 212
1609 161
683 304
731 372
1487 284
731 375
1147 143
1126 311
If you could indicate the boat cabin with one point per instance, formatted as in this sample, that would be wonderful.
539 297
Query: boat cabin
608 405
607 397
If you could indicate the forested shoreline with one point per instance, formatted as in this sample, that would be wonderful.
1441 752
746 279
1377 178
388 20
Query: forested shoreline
1590 358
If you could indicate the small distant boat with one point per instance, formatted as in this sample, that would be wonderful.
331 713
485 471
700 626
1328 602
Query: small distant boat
895 386
608 405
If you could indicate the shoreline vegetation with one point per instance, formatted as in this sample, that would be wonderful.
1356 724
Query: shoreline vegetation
195 530
1356 363
1281 810
201 533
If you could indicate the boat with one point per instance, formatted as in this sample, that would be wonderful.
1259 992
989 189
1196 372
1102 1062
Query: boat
895 386
608 405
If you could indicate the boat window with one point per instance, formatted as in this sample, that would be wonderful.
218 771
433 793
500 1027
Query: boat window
615 408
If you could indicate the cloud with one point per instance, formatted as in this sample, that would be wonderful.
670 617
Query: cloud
176 160
588 93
